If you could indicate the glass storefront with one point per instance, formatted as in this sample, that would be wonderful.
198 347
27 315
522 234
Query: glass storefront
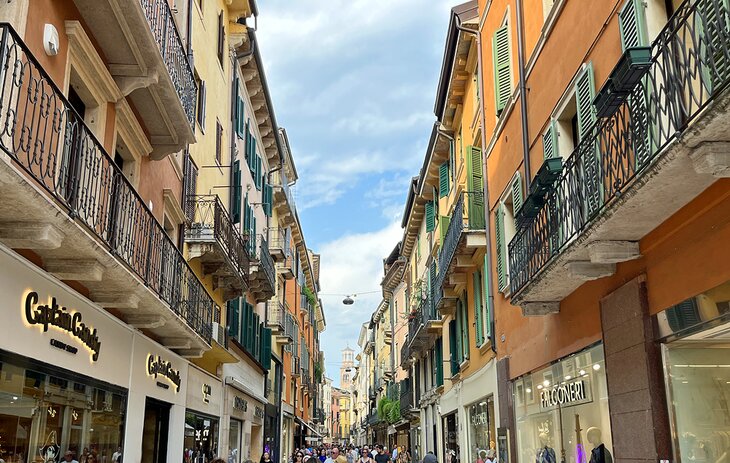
697 373
562 412
46 412
450 428
201 438
482 434
234 441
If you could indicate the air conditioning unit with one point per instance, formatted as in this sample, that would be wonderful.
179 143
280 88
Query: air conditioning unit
219 333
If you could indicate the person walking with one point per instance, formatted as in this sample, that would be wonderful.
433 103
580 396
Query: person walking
430 458
365 455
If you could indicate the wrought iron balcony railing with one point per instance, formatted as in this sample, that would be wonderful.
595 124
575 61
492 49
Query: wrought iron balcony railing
49 140
280 243
162 24
277 316
282 181
261 256
690 63
468 215
405 352
209 220
425 313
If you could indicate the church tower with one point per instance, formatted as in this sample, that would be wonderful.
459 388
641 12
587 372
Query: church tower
347 369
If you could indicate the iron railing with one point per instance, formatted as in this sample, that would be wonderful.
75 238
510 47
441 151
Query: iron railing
282 181
407 399
405 351
426 312
262 255
373 418
162 24
277 315
690 66
279 239
48 139
290 327
209 220
468 215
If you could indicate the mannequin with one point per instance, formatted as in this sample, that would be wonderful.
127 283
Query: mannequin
600 453
545 454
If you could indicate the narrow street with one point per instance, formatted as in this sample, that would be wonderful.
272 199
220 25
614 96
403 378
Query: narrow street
491 231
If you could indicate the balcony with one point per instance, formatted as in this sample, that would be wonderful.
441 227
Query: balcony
280 244
388 336
425 324
276 318
305 307
212 238
285 268
464 236
373 419
296 369
283 198
290 328
65 199
149 64
262 278
408 406
656 151
405 354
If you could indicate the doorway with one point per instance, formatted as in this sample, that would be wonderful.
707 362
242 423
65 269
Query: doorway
155 432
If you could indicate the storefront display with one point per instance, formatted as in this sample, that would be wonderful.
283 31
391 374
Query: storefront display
697 368
482 437
201 438
562 412
46 412
451 439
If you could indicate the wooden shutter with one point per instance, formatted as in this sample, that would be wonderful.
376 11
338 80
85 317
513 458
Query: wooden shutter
632 24
444 221
221 37
516 188
232 317
438 358
256 330
247 148
430 217
502 74
266 348
433 288
268 199
550 142
475 187
464 328
218 142
486 277
236 193
452 348
191 184
444 180
202 93
501 246
459 334
479 320
588 149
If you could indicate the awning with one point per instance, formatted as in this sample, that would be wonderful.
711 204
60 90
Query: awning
306 425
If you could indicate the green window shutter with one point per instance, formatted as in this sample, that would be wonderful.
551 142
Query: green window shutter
236 193
243 331
266 349
479 320
444 180
502 74
433 288
418 247
501 247
452 348
452 160
475 187
232 317
459 334
465 328
268 199
632 24
430 218
256 328
250 335
585 92
550 142
444 221
438 358
516 192
246 216
247 148
486 273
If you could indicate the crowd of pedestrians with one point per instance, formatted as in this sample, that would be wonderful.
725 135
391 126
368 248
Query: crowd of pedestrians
332 453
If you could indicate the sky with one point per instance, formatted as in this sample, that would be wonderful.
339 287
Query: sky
354 84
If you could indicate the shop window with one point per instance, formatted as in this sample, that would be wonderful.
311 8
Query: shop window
201 438
561 412
482 435
55 414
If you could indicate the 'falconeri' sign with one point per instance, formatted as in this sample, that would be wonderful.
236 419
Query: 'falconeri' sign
577 391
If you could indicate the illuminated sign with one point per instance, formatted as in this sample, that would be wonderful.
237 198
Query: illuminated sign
565 394
158 367
53 314
207 391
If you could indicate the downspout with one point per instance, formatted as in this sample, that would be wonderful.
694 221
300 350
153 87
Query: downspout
523 94
189 33
487 215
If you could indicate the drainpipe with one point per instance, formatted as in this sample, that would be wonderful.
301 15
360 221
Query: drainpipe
489 270
523 94
189 33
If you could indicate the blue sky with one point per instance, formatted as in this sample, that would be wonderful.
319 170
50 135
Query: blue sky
353 82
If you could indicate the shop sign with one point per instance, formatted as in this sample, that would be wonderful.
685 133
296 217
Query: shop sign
207 391
159 367
240 404
479 419
566 394
58 316
258 412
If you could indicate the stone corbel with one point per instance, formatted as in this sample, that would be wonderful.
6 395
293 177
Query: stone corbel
128 84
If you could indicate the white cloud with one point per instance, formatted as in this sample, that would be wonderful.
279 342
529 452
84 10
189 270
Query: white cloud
350 264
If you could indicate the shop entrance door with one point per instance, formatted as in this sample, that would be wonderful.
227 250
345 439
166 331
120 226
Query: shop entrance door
155 432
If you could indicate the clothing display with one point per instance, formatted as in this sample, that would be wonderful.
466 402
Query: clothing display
545 455
600 454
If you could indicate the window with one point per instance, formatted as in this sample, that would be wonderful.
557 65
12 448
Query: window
504 223
502 59
201 105
221 38
218 141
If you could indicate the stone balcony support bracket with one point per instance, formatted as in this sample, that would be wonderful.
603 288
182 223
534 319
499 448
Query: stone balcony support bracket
612 252
587 271
712 158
